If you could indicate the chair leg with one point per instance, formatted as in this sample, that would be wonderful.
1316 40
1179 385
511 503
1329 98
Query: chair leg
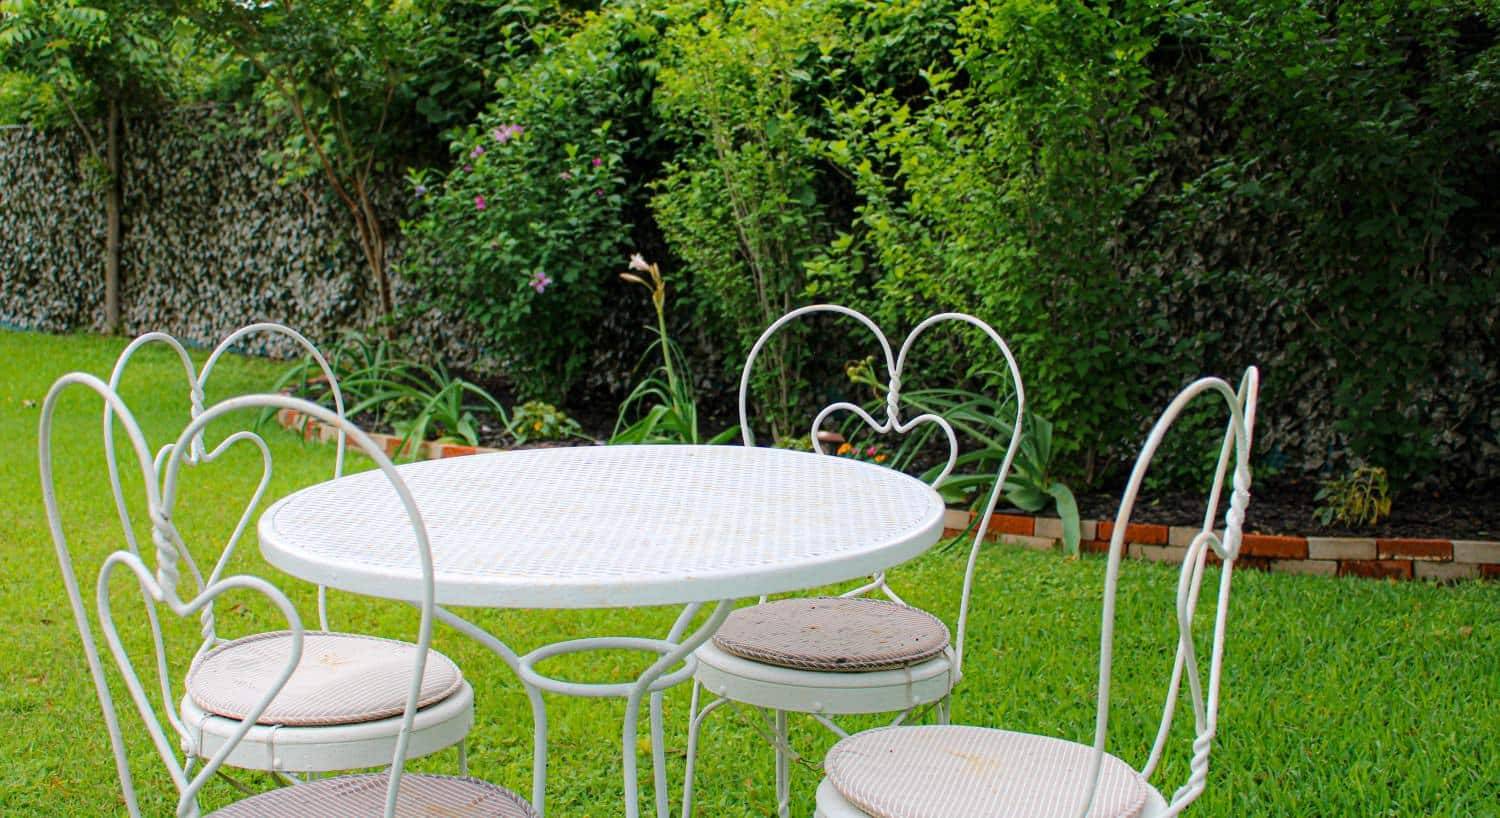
695 725
463 756
783 767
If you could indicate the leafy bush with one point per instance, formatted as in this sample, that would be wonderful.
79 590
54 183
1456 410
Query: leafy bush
1133 193
1140 193
1358 222
739 204
520 235
999 191
536 420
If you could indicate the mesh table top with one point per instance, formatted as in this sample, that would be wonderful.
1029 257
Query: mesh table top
607 526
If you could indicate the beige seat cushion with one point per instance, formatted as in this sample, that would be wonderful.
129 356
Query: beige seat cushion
833 633
363 796
342 678
949 771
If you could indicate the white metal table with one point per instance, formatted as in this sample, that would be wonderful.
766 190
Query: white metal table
607 526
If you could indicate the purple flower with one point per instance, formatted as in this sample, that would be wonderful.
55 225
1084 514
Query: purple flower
477 152
479 203
506 133
468 168
598 161
599 191
540 281
421 190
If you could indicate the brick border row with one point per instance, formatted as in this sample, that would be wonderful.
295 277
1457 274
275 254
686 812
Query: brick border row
1375 557
313 431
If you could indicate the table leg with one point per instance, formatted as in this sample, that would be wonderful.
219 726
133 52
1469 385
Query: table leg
538 705
642 686
659 755
676 648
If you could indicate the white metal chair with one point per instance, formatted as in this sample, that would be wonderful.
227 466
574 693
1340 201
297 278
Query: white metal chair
313 727
945 771
390 793
854 654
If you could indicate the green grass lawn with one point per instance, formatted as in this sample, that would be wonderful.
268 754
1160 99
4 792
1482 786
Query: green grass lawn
1341 696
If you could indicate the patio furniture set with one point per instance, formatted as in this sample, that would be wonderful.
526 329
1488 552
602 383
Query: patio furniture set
702 527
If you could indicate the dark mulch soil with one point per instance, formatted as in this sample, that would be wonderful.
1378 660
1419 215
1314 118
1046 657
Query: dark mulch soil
1286 507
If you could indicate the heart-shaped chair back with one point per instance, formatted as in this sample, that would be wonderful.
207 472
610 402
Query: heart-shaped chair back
200 454
161 480
894 422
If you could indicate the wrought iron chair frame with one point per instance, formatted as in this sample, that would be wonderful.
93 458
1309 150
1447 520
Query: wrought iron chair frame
160 479
1204 699
824 694
278 749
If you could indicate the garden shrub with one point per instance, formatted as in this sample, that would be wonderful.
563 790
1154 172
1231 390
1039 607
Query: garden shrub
1000 191
1139 193
740 203
750 200
527 232
1133 193
1334 198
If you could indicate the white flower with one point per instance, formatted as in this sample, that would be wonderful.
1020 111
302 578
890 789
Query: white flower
638 262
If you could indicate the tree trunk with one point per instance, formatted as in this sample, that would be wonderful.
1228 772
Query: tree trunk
372 243
112 205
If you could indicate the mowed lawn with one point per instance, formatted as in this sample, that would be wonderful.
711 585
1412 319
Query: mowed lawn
1341 696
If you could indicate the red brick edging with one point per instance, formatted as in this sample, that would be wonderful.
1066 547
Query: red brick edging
323 433
1396 558
1376 557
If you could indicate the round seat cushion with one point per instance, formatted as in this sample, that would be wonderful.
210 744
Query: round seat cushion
833 634
949 771
342 678
363 796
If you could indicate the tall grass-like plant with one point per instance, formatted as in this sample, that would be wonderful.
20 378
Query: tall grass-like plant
671 415
415 399
1031 485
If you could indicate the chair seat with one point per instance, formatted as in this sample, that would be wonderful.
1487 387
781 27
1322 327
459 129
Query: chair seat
341 678
363 796
850 635
942 771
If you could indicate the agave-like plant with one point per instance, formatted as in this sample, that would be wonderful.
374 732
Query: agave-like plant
1031 486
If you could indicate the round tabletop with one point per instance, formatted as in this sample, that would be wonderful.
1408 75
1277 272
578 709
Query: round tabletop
607 526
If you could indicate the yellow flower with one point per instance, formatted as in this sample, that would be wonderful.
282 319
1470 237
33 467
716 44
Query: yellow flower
845 449
536 427
879 458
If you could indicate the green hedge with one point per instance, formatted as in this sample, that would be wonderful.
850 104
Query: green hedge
1134 192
